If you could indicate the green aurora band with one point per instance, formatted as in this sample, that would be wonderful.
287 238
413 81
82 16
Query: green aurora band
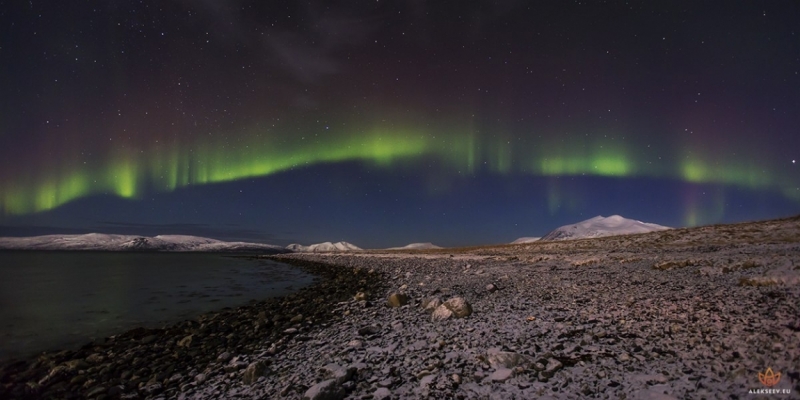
130 174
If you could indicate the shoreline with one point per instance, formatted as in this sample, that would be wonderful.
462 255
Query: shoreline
144 362
61 300
693 313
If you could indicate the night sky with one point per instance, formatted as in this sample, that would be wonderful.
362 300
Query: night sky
388 122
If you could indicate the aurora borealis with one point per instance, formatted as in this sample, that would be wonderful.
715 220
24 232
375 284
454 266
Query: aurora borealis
392 122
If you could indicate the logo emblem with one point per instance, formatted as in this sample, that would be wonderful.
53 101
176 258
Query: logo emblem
769 378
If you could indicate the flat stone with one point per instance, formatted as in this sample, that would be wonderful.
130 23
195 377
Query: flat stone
369 330
325 390
381 394
552 367
338 373
426 381
501 375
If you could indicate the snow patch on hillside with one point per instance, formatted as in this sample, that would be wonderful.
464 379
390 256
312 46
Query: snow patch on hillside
108 242
602 226
323 247
526 240
416 246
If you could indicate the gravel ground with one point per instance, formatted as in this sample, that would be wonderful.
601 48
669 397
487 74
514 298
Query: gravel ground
689 313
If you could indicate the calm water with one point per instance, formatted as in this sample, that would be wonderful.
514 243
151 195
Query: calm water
52 300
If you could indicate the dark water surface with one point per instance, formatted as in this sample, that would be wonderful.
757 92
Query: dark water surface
55 300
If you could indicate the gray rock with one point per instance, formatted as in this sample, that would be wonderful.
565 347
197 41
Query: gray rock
456 307
507 359
501 375
381 394
338 373
552 367
253 372
149 339
224 357
369 330
441 313
429 304
325 390
426 381
460 307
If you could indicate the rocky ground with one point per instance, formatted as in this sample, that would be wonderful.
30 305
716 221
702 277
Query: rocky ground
689 313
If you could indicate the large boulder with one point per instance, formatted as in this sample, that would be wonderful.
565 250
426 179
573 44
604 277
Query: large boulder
456 307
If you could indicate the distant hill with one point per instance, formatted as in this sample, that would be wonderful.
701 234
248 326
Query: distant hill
323 247
526 240
416 246
109 242
602 226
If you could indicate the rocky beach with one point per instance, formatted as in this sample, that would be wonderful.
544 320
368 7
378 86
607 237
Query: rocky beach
684 313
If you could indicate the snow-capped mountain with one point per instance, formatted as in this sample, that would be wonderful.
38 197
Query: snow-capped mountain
323 247
526 240
107 242
602 226
416 246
